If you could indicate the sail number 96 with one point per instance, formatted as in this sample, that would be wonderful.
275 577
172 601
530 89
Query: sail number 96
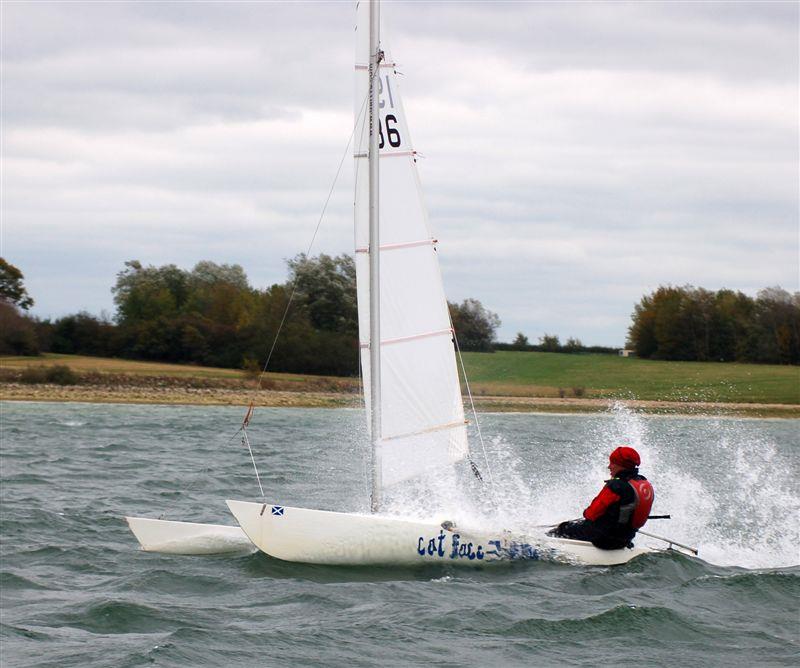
392 133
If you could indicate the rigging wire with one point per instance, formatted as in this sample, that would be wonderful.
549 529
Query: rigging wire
475 416
199 477
310 245
360 118
246 442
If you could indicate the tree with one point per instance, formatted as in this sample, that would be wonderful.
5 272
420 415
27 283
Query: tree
642 333
83 334
223 303
147 293
17 332
688 323
731 326
11 288
777 316
211 273
475 326
549 343
671 328
672 323
520 342
698 308
219 292
326 287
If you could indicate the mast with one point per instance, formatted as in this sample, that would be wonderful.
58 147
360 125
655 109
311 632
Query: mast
374 254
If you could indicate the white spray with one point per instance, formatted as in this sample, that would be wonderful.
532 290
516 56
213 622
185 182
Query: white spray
727 483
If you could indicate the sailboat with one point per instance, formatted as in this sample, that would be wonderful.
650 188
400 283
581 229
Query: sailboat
411 386
408 360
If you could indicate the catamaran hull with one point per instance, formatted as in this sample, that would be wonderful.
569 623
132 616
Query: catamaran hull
323 537
171 537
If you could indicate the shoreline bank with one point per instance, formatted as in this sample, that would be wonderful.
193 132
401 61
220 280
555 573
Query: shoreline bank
115 394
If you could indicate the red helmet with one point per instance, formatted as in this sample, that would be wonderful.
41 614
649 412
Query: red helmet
625 457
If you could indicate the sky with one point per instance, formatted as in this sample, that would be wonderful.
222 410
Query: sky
575 155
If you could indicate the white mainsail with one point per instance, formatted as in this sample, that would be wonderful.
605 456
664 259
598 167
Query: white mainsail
422 415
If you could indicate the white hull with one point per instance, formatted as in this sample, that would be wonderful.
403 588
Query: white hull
323 537
187 537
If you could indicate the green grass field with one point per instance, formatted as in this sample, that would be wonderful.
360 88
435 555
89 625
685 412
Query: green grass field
115 367
508 373
82 363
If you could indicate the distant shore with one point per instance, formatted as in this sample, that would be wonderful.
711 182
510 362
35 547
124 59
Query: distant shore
215 396
588 384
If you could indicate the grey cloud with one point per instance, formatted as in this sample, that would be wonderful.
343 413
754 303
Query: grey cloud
577 154
155 65
734 40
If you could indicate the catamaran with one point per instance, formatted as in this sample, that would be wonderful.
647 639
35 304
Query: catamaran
412 392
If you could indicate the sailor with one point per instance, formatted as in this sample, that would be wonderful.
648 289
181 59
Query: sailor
622 506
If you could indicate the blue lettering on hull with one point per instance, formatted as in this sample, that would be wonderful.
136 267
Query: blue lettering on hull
439 546
453 547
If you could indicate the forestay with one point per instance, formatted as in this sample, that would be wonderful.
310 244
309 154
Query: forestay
420 399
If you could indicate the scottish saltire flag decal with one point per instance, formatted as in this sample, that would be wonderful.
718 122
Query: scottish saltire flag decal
277 510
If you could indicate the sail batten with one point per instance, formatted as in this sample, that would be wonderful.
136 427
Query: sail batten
387 155
411 337
438 427
419 389
384 64
407 244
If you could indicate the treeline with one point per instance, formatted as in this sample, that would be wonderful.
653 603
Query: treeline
688 323
550 343
211 316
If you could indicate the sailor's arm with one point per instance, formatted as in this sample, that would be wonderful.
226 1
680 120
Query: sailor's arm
600 504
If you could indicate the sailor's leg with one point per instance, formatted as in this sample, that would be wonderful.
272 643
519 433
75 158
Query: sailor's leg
575 529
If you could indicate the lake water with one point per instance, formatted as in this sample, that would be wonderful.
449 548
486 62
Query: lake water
76 591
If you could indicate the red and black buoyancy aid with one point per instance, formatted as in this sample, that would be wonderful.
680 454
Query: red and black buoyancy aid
624 503
636 512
